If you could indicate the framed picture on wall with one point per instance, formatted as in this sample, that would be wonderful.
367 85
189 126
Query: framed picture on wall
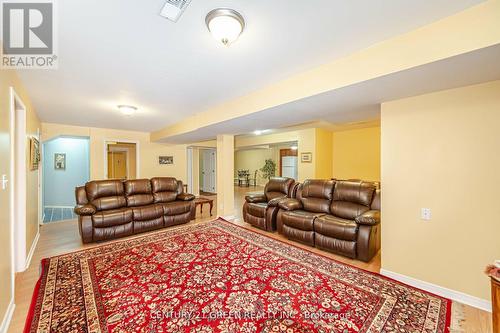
60 161
34 153
306 157
166 159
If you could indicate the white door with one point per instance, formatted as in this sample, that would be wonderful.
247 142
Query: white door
289 166
208 170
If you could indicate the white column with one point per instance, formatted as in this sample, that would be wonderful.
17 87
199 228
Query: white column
225 176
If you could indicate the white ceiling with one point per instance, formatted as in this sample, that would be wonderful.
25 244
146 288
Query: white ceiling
122 52
361 102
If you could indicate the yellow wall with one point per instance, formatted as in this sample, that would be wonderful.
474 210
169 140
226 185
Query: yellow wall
441 151
356 154
9 79
323 153
254 159
147 165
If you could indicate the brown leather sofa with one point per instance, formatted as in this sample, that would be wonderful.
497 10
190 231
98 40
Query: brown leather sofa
339 216
109 209
260 210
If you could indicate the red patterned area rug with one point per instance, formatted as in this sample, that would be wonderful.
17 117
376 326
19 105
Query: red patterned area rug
219 277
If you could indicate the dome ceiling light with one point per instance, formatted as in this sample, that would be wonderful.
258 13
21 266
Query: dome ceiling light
225 24
127 110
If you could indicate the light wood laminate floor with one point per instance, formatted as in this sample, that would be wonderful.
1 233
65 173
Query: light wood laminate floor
62 237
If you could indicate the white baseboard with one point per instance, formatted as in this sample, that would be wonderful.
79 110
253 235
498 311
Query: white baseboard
4 325
454 295
32 250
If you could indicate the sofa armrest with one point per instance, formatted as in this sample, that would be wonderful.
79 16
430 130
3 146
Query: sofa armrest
185 197
290 204
256 198
274 202
371 217
87 209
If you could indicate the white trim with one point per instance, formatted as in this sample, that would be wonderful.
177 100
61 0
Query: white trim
137 155
189 156
32 250
454 295
4 325
17 186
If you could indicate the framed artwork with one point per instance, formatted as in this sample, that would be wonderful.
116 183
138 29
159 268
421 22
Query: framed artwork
306 157
34 153
166 159
60 161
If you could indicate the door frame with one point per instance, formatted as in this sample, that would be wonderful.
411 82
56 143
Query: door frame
18 200
137 154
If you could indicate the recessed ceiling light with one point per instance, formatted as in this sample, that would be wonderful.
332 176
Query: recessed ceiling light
225 24
127 110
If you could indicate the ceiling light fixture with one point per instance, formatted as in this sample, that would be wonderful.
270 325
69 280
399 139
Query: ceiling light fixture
294 147
225 24
127 110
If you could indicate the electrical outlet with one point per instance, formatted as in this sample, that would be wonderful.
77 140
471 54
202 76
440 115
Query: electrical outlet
425 214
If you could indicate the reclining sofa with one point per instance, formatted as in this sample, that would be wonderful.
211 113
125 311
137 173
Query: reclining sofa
109 209
340 216
260 210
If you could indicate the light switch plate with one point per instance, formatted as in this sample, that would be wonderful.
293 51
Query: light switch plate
425 214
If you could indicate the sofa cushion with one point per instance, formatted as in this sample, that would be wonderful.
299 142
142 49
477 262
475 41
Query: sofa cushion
104 188
145 213
278 187
107 203
347 210
358 192
106 194
138 192
165 189
110 218
176 207
257 209
336 227
317 195
299 219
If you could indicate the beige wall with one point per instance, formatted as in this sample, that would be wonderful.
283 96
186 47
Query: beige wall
10 79
253 159
147 165
356 154
441 151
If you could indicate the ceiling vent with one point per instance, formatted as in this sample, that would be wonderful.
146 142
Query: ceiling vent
173 9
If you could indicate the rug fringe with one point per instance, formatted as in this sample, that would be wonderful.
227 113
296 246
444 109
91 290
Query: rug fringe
457 318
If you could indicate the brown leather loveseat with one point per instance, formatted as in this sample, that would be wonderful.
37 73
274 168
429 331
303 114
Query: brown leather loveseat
260 210
339 216
109 209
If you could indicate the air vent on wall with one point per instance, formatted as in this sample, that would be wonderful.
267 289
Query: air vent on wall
173 9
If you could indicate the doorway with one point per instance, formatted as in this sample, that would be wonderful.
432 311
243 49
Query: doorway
288 163
121 160
66 165
208 162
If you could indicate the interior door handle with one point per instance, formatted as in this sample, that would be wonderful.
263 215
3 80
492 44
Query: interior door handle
4 182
